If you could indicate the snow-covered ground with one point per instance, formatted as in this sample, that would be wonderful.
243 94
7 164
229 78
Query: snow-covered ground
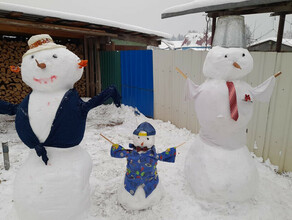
273 201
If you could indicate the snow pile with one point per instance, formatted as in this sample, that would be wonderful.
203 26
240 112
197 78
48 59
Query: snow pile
273 200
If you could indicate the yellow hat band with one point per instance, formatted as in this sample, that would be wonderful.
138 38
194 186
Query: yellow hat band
142 133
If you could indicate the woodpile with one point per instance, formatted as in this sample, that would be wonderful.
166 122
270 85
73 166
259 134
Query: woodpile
12 88
80 86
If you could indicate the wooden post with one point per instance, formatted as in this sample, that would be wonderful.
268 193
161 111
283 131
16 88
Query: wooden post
85 44
213 29
91 67
280 32
98 73
6 155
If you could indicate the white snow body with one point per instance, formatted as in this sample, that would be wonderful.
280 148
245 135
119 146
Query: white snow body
219 166
138 201
59 190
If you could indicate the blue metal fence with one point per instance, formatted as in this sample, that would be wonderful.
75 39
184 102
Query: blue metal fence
137 80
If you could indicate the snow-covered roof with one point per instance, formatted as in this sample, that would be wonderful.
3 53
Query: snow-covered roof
213 5
196 41
77 17
285 41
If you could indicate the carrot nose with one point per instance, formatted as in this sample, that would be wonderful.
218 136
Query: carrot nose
142 143
40 65
82 63
236 65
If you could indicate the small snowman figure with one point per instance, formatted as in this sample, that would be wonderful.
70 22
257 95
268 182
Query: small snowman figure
51 121
141 188
219 166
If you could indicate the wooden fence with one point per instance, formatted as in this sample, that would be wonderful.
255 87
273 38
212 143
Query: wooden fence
270 129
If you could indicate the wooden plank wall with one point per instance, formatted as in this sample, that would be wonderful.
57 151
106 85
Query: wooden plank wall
92 71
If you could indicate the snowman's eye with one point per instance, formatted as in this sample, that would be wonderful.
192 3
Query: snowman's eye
138 137
243 54
225 56
147 138
55 56
32 56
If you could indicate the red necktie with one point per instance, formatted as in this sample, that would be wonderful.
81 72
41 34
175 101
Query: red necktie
232 101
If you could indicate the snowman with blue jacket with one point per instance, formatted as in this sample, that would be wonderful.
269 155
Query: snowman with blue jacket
141 188
51 122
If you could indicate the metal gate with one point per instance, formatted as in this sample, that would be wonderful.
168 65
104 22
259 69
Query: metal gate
110 68
137 80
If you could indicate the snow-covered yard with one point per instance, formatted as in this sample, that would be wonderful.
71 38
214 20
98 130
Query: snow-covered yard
273 201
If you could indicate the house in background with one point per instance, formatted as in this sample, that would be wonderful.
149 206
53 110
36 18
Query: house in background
270 44
194 41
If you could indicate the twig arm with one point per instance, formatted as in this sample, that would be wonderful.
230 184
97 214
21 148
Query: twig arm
107 139
181 72
277 74
180 145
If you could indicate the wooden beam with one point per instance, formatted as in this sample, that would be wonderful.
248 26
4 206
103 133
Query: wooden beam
29 27
213 29
279 13
50 19
85 49
148 41
280 32
15 14
265 8
74 23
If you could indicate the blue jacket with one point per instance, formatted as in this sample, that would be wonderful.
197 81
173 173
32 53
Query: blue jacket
69 123
141 168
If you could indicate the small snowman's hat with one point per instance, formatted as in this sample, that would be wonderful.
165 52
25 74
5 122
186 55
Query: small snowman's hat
230 32
41 42
145 129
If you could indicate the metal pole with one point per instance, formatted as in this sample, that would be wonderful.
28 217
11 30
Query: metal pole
213 29
6 155
280 32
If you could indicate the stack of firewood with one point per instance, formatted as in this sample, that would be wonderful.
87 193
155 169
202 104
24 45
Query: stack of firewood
12 88
80 86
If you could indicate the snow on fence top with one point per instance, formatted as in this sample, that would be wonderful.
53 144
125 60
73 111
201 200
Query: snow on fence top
77 17
213 5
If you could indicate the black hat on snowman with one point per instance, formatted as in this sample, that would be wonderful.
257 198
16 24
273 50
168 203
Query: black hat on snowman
230 32
41 42
145 129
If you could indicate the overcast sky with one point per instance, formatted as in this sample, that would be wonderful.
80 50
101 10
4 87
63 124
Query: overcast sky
147 14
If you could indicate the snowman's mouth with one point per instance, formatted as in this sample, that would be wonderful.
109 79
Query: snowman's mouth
45 80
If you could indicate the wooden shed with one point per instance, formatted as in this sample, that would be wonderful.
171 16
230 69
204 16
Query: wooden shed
85 36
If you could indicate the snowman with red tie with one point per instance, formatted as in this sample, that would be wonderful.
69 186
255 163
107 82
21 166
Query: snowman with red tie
219 166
